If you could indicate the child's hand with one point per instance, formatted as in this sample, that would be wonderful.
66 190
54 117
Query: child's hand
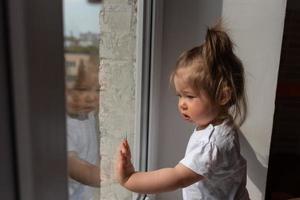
124 167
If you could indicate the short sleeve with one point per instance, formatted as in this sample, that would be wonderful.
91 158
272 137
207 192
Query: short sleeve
202 159
72 136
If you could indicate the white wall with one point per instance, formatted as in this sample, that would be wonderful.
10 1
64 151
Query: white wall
256 27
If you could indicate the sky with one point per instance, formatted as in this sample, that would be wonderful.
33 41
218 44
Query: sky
80 16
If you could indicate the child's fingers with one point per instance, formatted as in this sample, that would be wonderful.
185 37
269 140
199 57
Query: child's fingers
122 163
128 149
122 159
126 145
125 154
122 153
122 147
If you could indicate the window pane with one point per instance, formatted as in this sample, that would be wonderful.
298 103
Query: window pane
100 39
81 33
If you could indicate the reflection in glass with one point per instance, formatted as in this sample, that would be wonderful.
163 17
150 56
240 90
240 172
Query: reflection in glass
82 98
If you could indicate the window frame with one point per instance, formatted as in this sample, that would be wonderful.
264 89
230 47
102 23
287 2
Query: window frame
36 66
149 42
7 157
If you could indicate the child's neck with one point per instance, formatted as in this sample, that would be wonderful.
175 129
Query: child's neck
79 116
214 122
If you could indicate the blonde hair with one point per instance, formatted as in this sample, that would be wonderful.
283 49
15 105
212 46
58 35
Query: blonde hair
87 73
214 68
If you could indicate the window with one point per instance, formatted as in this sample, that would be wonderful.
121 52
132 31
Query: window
104 84
81 47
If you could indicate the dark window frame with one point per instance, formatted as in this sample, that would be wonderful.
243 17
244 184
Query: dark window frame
35 92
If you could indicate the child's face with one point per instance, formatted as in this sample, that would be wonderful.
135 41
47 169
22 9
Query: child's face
84 97
194 107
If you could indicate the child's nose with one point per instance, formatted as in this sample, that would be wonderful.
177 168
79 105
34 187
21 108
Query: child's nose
182 104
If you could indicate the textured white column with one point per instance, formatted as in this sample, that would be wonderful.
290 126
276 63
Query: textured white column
117 78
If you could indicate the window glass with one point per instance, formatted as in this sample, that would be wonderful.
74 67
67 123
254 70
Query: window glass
100 65
81 44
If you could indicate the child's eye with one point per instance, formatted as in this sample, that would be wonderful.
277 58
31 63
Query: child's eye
81 89
190 96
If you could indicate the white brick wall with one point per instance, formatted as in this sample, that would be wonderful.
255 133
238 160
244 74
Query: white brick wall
117 76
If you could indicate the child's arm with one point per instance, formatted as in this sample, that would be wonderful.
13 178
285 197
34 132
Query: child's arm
157 181
82 171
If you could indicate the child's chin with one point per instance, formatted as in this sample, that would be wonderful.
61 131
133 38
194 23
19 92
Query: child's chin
87 110
191 121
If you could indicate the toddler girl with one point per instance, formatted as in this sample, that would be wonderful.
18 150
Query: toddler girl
209 82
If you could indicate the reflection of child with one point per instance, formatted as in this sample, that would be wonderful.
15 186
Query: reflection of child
209 82
83 156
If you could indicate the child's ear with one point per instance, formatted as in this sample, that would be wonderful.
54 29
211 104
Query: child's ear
225 96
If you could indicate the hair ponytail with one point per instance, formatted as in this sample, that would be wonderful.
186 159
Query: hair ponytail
217 46
226 69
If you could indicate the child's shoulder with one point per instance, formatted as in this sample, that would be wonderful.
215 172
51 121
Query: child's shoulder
224 135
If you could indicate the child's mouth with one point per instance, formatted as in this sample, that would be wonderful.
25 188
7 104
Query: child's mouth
186 117
88 109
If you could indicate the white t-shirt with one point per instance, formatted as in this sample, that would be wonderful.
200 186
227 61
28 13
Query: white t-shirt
214 152
82 139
